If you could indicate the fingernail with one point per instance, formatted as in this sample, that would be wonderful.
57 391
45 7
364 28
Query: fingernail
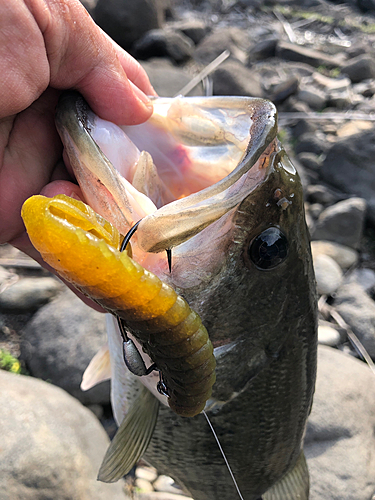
141 96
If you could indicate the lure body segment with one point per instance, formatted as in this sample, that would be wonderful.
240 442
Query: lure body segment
83 248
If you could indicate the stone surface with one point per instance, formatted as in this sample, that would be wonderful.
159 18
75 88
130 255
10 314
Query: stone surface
358 310
364 277
310 143
164 43
299 53
60 341
349 166
233 78
51 446
344 256
167 79
28 294
340 439
126 22
327 335
360 68
231 38
342 223
328 274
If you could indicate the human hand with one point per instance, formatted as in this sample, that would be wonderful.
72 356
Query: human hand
47 46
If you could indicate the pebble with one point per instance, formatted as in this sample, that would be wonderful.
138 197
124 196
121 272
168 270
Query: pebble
162 495
310 160
51 445
315 99
164 43
60 341
327 335
299 53
358 311
310 143
344 256
328 274
28 294
342 223
364 277
232 78
360 68
166 484
147 473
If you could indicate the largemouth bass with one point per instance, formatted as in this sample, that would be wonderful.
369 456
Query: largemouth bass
209 180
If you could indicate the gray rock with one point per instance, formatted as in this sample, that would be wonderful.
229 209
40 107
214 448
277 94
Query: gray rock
364 277
302 127
342 223
233 78
314 98
263 49
28 294
358 310
327 335
283 90
299 53
51 446
233 39
328 274
315 209
360 68
340 439
311 143
164 43
195 29
60 341
349 166
128 21
310 160
344 256
318 193
167 79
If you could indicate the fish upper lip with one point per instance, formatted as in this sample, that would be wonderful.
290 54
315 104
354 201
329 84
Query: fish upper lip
179 220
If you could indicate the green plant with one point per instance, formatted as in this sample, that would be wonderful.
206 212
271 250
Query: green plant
9 362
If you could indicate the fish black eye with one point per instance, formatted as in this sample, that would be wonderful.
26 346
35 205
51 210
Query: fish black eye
269 248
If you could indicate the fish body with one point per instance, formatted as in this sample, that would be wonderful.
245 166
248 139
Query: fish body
232 212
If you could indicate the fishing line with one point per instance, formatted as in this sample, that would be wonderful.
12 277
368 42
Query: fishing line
223 454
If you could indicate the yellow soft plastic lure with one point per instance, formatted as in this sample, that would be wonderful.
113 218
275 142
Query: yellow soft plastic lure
83 248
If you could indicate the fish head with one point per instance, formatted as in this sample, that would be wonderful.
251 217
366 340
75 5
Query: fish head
207 178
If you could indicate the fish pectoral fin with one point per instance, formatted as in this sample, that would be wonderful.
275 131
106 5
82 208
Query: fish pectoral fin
293 486
98 370
131 439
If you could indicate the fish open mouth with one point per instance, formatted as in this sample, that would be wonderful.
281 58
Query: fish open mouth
194 160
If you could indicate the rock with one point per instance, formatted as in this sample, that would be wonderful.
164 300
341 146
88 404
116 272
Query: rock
299 53
314 98
342 223
310 143
162 495
339 439
344 256
232 78
51 446
331 84
283 90
360 68
366 5
233 39
310 160
147 473
328 274
143 485
60 341
128 21
354 127
358 310
164 43
263 49
168 80
195 29
327 335
302 127
28 294
315 209
167 484
5 275
318 193
363 277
